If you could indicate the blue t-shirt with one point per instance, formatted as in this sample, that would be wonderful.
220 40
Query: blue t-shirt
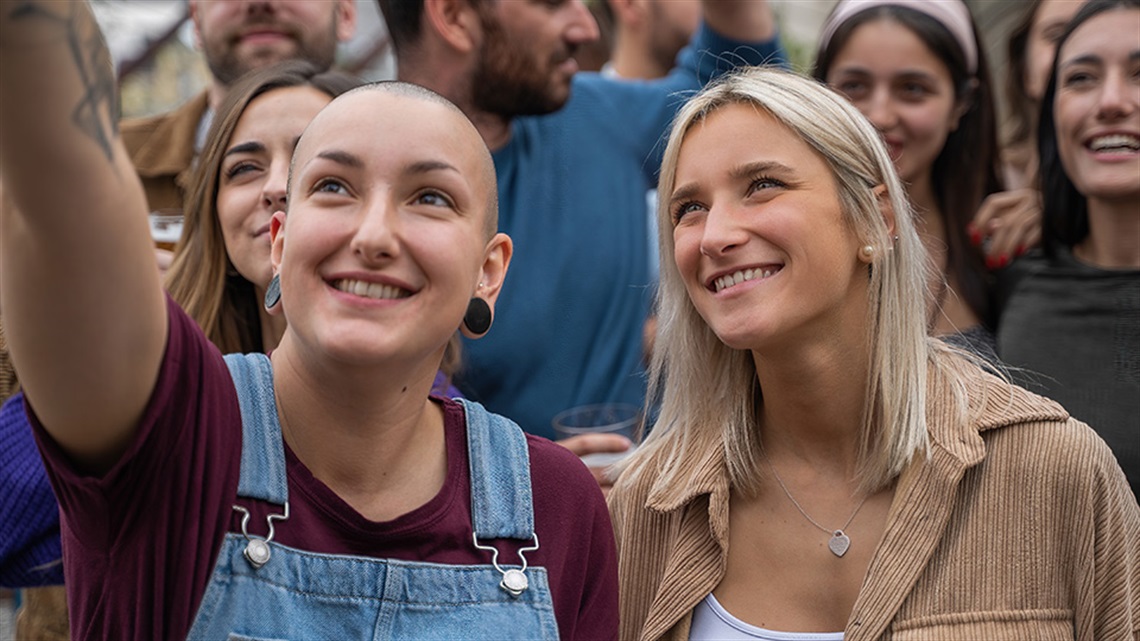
568 323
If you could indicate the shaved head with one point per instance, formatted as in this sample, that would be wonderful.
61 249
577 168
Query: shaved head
447 120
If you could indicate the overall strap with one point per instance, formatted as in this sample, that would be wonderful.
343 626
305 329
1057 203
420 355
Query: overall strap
501 505
262 449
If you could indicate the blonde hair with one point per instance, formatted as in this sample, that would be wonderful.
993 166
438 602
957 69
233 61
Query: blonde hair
709 392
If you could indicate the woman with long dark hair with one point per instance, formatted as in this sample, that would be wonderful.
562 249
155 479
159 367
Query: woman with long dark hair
1070 316
1008 224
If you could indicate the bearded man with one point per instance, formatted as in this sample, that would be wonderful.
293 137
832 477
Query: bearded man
235 36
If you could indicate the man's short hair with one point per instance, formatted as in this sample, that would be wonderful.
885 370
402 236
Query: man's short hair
403 18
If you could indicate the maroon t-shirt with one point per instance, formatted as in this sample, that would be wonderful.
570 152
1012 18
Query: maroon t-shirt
140 542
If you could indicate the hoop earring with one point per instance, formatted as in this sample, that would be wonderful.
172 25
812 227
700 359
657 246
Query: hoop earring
273 292
477 320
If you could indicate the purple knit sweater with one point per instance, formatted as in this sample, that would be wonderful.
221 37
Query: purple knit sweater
29 516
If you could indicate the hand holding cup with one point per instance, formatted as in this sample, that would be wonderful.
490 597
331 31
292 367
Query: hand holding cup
601 435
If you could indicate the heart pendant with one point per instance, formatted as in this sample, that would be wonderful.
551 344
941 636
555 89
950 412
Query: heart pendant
839 543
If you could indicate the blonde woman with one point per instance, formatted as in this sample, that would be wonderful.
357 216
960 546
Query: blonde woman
821 467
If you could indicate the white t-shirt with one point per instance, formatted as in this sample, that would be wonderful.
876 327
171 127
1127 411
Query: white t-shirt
711 622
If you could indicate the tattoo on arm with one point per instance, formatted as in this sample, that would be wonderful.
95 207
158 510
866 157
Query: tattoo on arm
97 113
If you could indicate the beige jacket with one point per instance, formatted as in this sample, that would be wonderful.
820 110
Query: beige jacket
162 150
1020 525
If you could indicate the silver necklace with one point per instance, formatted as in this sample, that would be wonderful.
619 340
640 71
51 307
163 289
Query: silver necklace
839 541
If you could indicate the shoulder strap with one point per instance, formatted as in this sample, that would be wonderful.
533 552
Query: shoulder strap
501 503
262 450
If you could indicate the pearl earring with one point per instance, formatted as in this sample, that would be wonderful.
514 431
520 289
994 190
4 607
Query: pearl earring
868 252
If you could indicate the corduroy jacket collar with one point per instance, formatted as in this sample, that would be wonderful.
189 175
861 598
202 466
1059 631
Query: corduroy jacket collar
919 513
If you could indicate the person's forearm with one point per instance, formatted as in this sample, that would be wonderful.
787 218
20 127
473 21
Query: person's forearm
83 307
57 83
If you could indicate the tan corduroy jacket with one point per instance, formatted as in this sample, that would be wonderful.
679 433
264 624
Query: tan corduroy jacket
1020 525
162 150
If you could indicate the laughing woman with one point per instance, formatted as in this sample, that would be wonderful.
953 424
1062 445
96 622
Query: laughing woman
316 493
1071 316
821 468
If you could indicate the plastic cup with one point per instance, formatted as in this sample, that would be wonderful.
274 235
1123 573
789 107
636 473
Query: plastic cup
604 418
166 228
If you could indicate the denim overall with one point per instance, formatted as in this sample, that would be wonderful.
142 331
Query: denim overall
264 590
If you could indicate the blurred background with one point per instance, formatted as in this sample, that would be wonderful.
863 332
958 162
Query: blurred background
159 66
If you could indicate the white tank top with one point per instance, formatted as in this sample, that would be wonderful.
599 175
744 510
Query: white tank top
711 622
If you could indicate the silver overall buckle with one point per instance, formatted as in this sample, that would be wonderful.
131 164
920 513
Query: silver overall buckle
257 551
514 580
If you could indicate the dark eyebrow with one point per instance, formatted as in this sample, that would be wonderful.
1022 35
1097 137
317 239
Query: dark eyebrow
1092 59
853 69
244 148
1087 59
427 166
342 158
914 75
906 74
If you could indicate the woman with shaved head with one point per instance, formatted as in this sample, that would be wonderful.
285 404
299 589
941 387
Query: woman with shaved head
319 492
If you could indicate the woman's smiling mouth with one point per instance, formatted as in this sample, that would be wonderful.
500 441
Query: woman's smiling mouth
376 291
722 283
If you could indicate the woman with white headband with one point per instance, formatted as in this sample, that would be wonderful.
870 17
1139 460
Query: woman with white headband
915 70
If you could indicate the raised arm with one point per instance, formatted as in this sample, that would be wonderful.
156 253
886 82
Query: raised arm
733 34
83 307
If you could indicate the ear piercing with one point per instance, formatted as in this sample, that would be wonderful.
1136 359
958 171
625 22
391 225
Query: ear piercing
273 292
477 320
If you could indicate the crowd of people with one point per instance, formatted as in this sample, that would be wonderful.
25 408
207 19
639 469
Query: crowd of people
889 360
